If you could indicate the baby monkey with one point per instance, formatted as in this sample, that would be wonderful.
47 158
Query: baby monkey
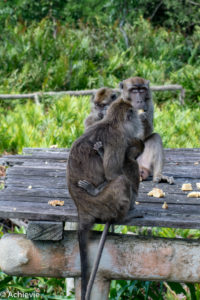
103 176
100 102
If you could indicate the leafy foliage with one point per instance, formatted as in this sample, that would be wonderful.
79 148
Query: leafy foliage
68 45
52 56
171 14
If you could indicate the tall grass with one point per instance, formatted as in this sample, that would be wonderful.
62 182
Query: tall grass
31 125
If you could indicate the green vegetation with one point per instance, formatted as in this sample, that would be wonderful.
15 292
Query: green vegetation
33 58
177 14
31 125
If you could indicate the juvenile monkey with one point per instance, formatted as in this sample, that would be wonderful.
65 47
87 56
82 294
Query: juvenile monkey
100 102
136 90
100 158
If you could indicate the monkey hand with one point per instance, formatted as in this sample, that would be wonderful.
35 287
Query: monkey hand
100 116
143 116
98 146
163 178
144 173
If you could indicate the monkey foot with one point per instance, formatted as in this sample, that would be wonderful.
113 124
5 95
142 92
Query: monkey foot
163 178
98 145
84 184
88 187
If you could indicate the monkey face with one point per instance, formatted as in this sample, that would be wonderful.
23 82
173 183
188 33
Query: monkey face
137 95
101 109
136 91
102 100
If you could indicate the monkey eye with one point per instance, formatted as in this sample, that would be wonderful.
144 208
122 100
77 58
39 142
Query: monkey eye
142 90
99 105
134 90
113 96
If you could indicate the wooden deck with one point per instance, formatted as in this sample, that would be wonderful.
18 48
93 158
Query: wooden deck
39 175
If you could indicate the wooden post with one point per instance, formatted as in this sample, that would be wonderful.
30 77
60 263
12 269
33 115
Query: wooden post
100 290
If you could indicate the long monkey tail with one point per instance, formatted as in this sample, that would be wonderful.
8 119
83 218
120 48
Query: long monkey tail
97 261
83 241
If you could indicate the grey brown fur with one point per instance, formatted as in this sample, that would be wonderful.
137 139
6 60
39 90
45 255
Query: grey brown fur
136 90
99 104
117 133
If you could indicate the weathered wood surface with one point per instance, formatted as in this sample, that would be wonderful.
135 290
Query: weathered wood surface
45 230
39 175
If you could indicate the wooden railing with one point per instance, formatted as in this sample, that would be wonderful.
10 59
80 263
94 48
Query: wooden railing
37 95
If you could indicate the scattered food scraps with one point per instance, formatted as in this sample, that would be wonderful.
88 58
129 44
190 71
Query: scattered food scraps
194 195
137 203
196 163
56 203
140 111
157 193
198 185
165 205
186 187
30 187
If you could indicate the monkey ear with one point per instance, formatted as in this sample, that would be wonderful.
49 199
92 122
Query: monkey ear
102 91
121 85
92 98
147 82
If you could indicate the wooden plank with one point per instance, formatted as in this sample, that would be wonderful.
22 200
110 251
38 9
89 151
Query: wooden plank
52 214
189 171
60 182
63 193
48 181
176 171
45 230
36 150
43 206
33 162
37 201
156 209
186 221
19 170
69 202
39 155
146 186
36 182
39 192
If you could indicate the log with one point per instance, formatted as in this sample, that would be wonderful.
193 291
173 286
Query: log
36 95
124 257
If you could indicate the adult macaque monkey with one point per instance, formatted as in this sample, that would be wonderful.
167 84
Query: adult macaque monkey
100 102
103 177
136 90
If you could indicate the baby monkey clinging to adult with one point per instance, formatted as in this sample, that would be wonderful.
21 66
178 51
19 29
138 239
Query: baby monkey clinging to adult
100 102
101 157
